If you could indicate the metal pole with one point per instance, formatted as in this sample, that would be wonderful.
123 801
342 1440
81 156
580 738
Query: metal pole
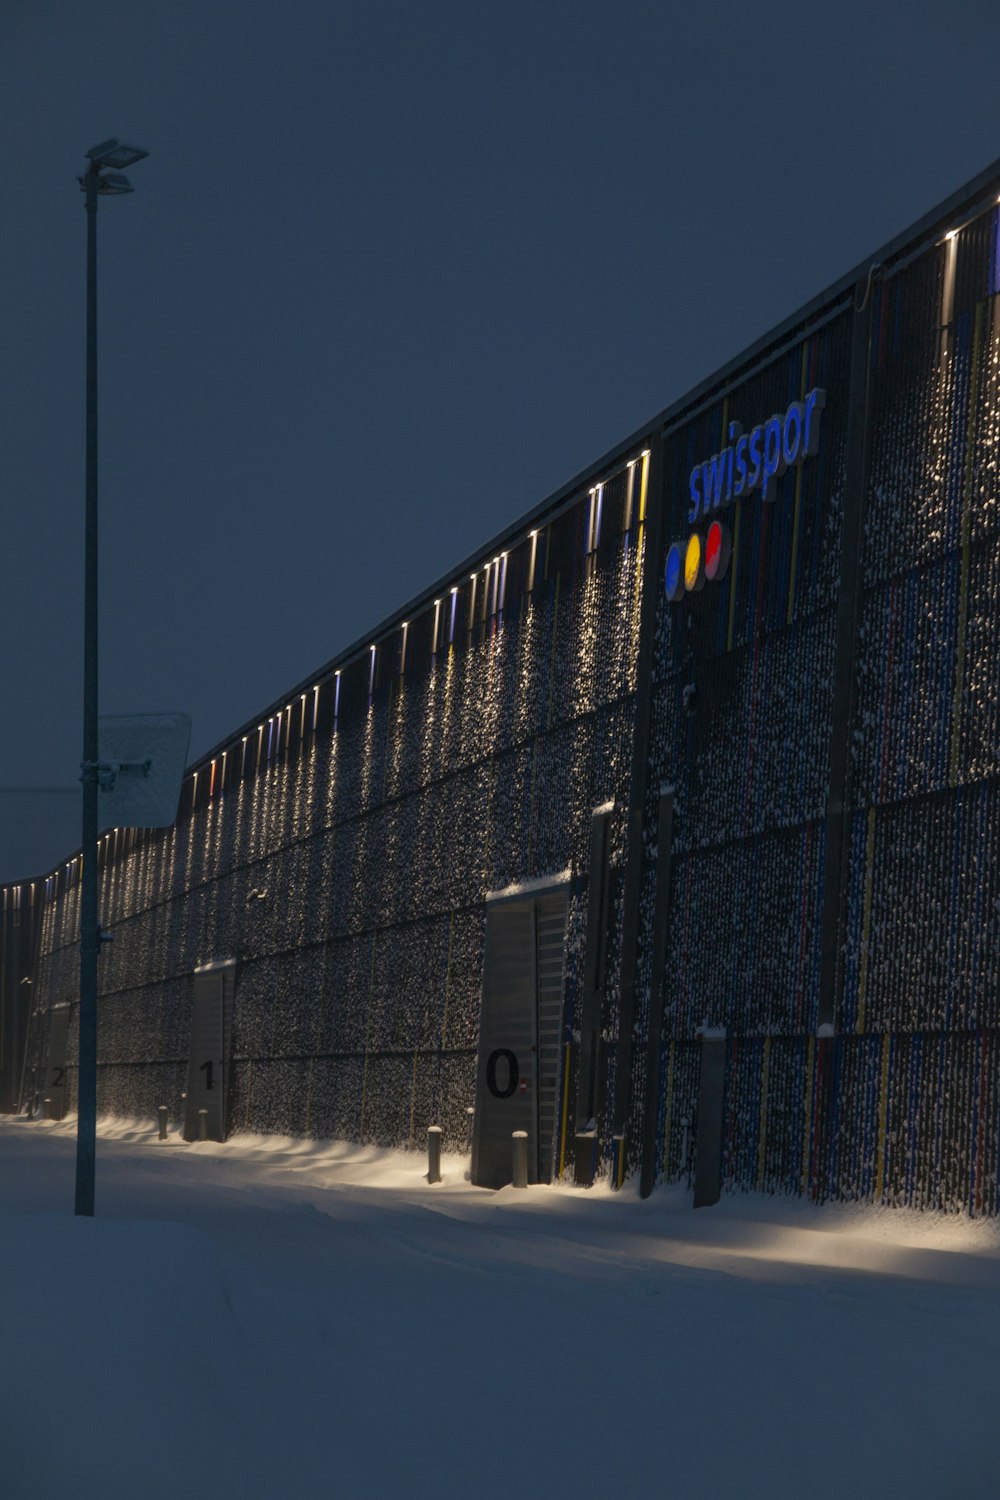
86 1128
434 1153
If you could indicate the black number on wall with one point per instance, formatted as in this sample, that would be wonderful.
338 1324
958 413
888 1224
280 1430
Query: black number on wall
513 1073
206 1068
58 1075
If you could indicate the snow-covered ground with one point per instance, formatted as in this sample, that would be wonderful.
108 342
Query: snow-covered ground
287 1319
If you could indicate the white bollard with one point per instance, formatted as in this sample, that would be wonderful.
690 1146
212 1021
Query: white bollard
434 1133
520 1142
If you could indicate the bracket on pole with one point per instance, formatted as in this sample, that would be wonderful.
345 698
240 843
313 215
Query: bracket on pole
107 772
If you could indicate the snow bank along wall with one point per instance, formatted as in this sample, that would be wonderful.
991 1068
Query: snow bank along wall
713 878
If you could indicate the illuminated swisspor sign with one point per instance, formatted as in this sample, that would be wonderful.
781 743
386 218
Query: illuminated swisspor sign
753 461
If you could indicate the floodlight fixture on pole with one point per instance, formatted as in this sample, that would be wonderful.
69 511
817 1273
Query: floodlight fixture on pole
109 154
115 153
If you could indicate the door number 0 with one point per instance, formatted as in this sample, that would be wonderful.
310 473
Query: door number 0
513 1073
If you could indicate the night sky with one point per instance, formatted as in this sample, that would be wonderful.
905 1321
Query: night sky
391 274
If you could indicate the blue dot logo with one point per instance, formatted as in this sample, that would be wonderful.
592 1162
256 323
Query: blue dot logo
673 574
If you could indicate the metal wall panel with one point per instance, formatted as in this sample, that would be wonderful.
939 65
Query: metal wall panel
54 1086
506 1093
711 1096
520 1048
550 950
206 1088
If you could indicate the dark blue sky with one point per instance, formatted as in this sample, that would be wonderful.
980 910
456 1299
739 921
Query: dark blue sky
392 272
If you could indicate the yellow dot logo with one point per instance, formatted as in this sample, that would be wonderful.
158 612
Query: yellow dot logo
694 565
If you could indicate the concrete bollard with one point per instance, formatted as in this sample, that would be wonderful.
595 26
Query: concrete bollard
520 1141
203 1124
434 1153
618 1143
162 1112
46 1109
585 1158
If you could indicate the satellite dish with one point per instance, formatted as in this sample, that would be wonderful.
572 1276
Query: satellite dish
141 760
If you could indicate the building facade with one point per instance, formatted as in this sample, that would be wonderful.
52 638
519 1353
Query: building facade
666 829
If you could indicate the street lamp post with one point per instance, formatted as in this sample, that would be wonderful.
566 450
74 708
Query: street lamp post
96 182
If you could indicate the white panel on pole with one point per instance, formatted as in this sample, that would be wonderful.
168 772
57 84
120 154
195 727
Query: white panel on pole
141 760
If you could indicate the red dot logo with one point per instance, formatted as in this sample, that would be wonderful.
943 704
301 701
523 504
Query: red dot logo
717 549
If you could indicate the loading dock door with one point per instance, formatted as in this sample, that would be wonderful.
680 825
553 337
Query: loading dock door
210 1027
520 1035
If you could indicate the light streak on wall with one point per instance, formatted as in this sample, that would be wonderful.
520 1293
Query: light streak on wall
594 518
948 286
629 496
496 584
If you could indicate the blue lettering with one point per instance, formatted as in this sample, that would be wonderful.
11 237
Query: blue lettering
735 431
741 466
755 457
749 463
791 436
773 463
714 473
815 402
695 493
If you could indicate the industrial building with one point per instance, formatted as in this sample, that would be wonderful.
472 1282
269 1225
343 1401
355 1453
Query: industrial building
665 829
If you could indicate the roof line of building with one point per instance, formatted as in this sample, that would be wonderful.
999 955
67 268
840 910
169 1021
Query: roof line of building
913 240
969 200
